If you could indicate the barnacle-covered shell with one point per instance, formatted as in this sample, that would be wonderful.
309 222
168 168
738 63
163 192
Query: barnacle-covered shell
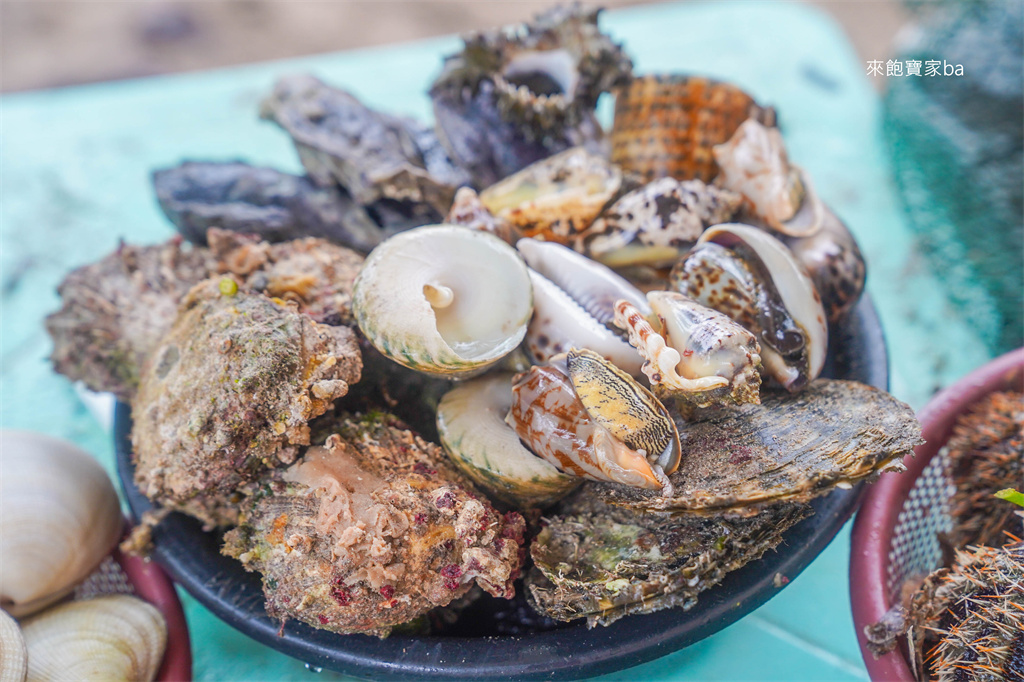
654 224
59 516
443 299
557 198
472 428
791 447
118 637
518 94
754 279
600 562
13 655
574 303
629 411
550 419
754 163
667 124
697 353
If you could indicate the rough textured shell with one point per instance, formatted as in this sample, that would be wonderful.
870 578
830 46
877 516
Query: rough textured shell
13 655
59 516
601 563
791 447
556 198
472 428
482 299
666 124
108 638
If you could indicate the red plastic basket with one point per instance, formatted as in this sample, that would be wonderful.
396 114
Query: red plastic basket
894 534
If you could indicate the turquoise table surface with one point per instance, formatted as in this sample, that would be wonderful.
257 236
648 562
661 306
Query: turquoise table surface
74 179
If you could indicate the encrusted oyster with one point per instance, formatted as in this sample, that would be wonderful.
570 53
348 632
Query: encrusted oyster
516 95
228 392
262 201
791 447
372 155
115 311
600 562
371 530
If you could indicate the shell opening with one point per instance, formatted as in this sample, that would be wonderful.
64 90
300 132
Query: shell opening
546 72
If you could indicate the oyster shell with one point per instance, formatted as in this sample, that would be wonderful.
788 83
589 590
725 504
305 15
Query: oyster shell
114 312
372 155
228 393
667 124
276 206
59 516
443 299
372 530
472 428
516 95
557 198
696 353
753 278
656 223
599 562
118 637
791 447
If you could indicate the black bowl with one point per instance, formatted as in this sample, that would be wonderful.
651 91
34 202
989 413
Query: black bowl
857 351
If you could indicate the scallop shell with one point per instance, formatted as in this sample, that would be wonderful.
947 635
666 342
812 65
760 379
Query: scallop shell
556 198
472 428
13 655
443 299
59 516
117 637
667 124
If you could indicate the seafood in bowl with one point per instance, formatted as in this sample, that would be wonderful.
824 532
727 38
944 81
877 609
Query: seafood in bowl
558 329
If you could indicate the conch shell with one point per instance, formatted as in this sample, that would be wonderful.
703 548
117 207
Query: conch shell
59 516
118 637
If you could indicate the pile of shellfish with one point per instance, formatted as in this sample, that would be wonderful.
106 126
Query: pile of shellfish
59 518
618 332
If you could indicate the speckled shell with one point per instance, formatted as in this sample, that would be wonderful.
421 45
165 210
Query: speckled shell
548 416
472 428
753 278
654 224
443 299
118 637
556 198
667 124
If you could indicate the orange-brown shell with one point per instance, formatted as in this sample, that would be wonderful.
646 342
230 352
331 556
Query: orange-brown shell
666 124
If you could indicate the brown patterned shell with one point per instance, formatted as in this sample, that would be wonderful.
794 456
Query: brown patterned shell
666 124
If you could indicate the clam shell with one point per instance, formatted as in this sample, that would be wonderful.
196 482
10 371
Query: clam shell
472 428
13 655
443 299
667 124
108 638
556 198
791 447
59 516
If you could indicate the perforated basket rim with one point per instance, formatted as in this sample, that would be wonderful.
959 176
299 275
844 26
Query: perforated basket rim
876 520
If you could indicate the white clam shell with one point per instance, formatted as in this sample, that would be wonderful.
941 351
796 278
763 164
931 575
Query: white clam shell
118 637
443 299
471 424
13 654
59 516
